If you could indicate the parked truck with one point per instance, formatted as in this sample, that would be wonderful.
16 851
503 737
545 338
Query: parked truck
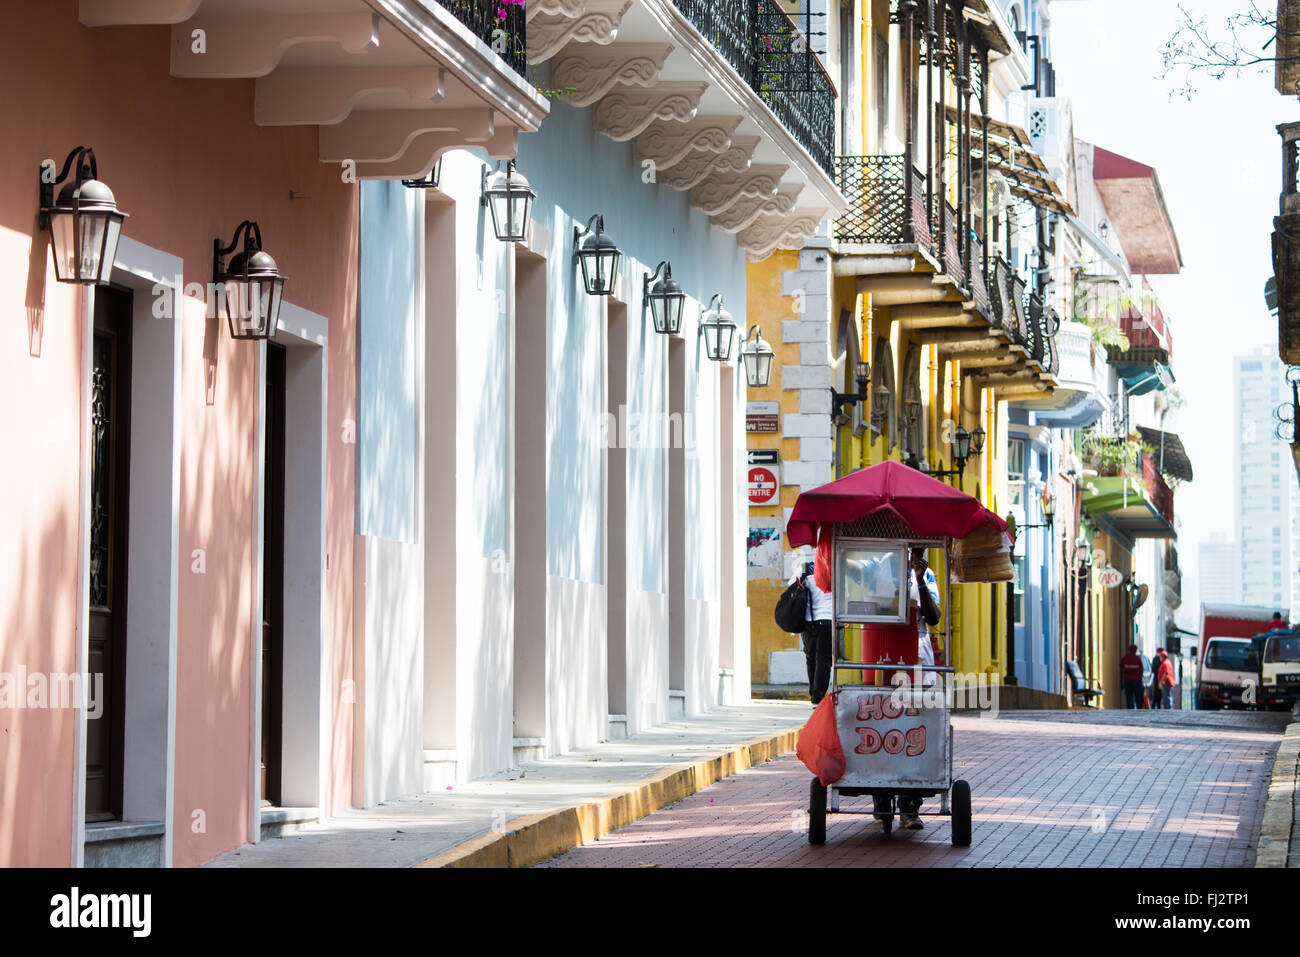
1278 654
1228 670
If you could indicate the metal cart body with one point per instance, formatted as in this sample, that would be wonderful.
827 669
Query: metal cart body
896 738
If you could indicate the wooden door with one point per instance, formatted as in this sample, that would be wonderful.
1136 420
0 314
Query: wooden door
110 385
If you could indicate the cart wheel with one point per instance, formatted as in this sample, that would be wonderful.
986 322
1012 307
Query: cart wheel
960 814
816 813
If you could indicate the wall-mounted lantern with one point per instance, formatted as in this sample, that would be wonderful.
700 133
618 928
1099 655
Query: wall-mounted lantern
757 356
507 194
598 256
977 440
665 299
1049 504
429 180
719 330
961 443
84 225
250 288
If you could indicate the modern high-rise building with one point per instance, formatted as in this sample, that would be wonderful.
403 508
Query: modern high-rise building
1265 484
1218 571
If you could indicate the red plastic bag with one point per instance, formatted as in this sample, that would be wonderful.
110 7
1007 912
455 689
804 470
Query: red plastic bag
819 744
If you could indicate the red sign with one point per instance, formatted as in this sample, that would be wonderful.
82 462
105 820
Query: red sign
763 487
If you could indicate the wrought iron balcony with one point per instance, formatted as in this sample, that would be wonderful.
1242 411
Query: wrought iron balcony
978 284
773 56
952 263
498 23
879 212
1034 329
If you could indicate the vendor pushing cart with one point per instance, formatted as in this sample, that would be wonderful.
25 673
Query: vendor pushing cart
891 737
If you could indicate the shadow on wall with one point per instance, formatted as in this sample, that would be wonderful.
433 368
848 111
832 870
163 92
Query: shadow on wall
36 744
35 297
387 420
216 593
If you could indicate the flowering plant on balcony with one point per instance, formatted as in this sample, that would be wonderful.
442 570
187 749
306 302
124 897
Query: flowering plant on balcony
1113 313
1114 455
778 45
503 4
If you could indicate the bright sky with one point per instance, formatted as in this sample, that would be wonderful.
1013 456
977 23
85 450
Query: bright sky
1218 157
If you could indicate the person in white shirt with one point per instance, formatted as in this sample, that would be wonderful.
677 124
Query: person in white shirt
816 635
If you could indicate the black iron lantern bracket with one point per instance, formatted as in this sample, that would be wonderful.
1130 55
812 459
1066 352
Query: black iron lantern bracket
86 169
840 399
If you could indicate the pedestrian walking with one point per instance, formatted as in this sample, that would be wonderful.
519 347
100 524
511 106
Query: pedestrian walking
1154 691
1165 679
816 635
1130 667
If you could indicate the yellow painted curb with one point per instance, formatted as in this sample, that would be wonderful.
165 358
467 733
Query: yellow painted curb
1279 811
537 837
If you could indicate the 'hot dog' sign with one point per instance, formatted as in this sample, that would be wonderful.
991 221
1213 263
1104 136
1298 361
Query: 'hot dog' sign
891 738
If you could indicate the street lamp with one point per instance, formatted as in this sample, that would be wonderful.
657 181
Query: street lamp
598 256
250 289
719 330
841 399
757 356
429 180
664 298
84 225
880 406
961 451
977 440
507 193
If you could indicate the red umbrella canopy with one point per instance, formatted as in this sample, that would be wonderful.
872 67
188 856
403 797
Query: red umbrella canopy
925 505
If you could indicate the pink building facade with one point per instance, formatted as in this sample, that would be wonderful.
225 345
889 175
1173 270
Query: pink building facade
178 513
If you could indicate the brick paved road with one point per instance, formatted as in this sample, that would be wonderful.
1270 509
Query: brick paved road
1152 789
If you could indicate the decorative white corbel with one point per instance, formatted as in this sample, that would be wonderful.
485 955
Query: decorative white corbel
250 45
627 112
320 96
598 23
593 71
719 191
748 210
695 167
667 144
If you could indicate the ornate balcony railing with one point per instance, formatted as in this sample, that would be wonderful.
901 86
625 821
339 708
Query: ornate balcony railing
878 210
774 57
951 250
1034 329
1020 328
978 286
498 23
1052 354
1003 310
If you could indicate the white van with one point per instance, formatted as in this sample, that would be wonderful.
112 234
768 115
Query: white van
1228 667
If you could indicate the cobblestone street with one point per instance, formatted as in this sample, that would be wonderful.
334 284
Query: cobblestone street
1109 789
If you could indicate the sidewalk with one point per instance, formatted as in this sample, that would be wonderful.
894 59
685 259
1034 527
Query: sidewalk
1279 837
520 817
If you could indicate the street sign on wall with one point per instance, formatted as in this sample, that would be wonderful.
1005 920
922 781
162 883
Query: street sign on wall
764 477
762 417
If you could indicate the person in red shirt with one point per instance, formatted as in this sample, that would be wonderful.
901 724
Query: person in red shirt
1165 679
1130 667
1277 624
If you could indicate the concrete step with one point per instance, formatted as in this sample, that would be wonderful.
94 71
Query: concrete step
279 821
124 844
